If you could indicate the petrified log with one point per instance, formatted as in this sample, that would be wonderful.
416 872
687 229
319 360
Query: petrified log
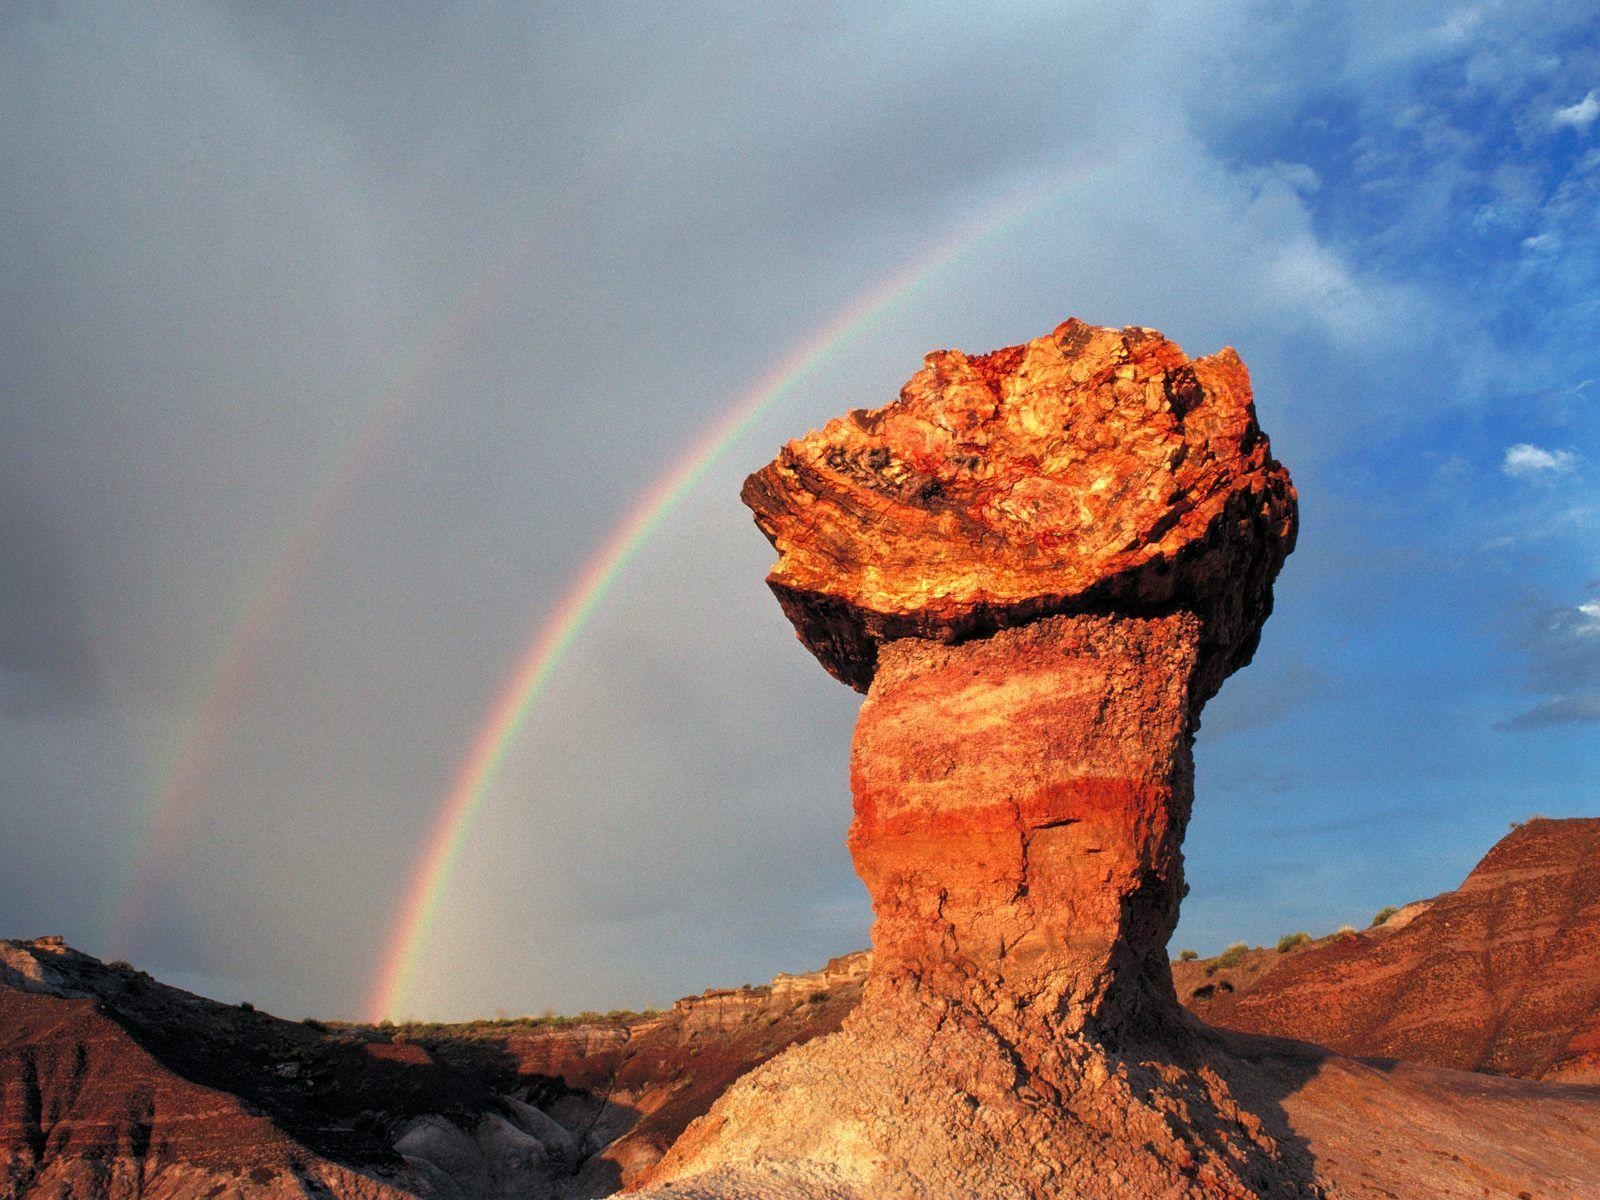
1039 564
1091 470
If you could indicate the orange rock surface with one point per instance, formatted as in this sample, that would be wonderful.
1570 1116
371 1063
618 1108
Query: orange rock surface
1501 975
1020 801
1039 563
1090 470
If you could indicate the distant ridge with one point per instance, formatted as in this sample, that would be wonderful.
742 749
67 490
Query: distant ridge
1501 975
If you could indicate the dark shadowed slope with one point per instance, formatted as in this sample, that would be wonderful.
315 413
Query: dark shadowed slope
114 1085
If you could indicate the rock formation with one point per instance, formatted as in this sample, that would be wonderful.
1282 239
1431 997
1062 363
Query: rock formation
1039 563
1501 975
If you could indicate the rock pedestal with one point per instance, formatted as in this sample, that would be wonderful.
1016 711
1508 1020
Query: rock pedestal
1039 564
1019 804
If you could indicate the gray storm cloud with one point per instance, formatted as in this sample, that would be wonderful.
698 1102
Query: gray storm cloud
567 239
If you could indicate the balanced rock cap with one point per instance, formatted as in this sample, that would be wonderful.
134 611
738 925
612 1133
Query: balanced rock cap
1090 470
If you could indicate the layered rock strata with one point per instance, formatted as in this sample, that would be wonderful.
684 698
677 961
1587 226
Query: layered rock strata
1501 975
1039 563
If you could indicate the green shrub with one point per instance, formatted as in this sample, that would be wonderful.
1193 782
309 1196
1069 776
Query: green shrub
1383 914
1187 955
1233 955
1293 941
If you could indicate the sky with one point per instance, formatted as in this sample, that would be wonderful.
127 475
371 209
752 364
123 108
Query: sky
336 349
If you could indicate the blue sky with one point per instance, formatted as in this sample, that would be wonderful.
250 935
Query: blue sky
227 232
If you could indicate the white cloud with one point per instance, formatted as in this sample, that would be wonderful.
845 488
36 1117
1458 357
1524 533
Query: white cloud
1523 459
1580 115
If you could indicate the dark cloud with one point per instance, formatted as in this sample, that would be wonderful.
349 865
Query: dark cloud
1561 648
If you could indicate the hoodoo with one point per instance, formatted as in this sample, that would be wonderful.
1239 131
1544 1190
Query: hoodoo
1039 564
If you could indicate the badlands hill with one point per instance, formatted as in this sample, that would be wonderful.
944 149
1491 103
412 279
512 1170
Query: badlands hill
113 1086
1501 975
118 1086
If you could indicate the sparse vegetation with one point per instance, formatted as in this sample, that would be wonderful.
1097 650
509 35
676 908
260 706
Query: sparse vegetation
1232 956
1381 917
1187 955
1293 941
416 1030
1347 931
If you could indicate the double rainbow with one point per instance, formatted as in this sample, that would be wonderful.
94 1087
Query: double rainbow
192 760
189 764
560 628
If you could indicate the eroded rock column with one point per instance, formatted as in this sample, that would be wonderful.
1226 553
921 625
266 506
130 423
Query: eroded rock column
1019 803
1039 564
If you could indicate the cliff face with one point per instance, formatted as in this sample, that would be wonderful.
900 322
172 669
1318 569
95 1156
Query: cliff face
1501 975
1039 563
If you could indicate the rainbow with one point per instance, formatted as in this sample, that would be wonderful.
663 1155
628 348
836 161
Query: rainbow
555 635
190 763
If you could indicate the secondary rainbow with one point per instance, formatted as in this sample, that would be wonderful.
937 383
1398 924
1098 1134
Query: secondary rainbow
191 761
560 628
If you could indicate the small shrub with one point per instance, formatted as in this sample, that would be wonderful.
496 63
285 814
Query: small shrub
1383 914
1187 955
246 1006
1347 931
1293 941
314 1024
1233 955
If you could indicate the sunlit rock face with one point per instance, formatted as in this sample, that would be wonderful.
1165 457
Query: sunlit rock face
1090 470
1019 804
1039 564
